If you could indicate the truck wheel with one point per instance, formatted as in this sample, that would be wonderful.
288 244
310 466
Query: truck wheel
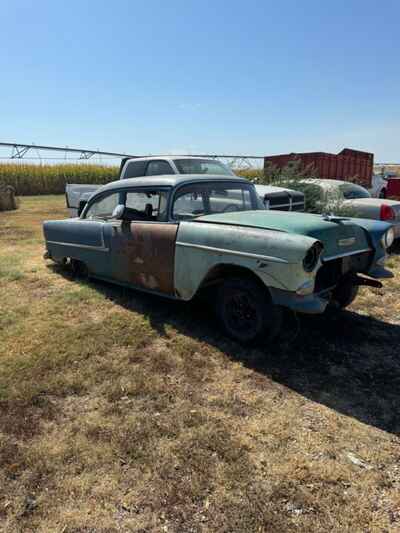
345 294
246 311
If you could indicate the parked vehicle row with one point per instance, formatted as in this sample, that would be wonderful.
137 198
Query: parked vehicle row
271 197
386 185
337 197
179 235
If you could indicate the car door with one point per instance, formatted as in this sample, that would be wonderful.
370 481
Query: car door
143 248
94 240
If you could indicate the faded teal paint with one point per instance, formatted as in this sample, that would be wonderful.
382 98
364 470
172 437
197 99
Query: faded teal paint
305 224
275 257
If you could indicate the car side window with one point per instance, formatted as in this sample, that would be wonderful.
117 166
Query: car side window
189 203
148 205
103 207
135 169
158 168
224 200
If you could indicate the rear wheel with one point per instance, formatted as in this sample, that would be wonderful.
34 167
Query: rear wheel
79 268
382 194
246 311
345 294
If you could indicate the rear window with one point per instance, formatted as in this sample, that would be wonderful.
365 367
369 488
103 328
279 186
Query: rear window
351 191
202 166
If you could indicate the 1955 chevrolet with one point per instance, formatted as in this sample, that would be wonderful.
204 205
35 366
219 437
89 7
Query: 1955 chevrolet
177 235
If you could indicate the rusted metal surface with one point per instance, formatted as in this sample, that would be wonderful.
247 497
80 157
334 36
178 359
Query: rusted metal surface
344 166
143 255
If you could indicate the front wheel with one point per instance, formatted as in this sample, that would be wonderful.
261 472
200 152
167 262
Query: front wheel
345 294
246 311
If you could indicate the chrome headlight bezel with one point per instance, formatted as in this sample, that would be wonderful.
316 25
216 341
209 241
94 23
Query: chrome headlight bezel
312 256
387 238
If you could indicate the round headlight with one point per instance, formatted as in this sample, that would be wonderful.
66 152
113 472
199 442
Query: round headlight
312 256
388 238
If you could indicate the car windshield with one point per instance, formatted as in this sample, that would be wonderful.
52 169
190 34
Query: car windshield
352 191
209 198
202 166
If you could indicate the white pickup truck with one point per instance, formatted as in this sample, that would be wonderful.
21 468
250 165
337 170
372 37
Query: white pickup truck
277 198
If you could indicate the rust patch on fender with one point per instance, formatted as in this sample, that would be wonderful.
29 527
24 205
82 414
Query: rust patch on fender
144 255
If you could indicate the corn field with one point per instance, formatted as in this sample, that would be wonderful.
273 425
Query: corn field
28 179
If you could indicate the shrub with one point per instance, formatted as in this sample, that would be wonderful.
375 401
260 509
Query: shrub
293 176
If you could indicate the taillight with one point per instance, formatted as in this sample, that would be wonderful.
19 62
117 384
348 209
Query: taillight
387 213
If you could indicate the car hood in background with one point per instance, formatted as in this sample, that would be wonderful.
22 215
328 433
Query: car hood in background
374 201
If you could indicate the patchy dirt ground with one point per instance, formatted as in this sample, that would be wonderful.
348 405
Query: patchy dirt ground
126 412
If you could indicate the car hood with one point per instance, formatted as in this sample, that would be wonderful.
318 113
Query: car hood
339 238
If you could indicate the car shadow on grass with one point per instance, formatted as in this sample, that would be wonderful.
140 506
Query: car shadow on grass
345 360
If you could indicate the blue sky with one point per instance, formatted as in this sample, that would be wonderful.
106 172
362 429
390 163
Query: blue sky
251 77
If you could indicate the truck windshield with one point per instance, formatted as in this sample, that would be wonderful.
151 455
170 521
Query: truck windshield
202 166
210 198
352 191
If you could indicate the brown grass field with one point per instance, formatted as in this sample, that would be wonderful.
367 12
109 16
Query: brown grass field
121 411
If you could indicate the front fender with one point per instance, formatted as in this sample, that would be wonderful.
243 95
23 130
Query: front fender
275 257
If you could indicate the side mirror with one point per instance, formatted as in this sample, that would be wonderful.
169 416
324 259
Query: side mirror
119 212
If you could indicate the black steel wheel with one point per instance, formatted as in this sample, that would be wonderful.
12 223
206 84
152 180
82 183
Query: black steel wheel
79 269
246 311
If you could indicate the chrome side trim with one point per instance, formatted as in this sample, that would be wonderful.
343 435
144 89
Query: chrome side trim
86 246
232 252
324 259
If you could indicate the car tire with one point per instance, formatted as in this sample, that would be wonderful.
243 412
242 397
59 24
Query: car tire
246 311
79 269
382 194
345 294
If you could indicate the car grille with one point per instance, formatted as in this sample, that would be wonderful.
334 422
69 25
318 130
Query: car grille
331 272
284 201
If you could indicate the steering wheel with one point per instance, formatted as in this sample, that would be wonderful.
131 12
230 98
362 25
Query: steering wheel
230 208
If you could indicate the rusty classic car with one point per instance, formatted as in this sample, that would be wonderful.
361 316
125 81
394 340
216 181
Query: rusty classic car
179 235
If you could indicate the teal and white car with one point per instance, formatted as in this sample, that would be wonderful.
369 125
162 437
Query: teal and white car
179 235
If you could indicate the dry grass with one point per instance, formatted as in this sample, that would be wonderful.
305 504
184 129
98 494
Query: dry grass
125 412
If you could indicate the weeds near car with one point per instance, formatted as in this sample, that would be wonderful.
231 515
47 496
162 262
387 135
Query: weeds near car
294 176
122 411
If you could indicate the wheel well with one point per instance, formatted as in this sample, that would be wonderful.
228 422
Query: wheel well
219 273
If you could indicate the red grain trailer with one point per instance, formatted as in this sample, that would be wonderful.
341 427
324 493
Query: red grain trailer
345 165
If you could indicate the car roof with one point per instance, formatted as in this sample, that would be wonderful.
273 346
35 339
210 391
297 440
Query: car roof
171 158
329 182
169 180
